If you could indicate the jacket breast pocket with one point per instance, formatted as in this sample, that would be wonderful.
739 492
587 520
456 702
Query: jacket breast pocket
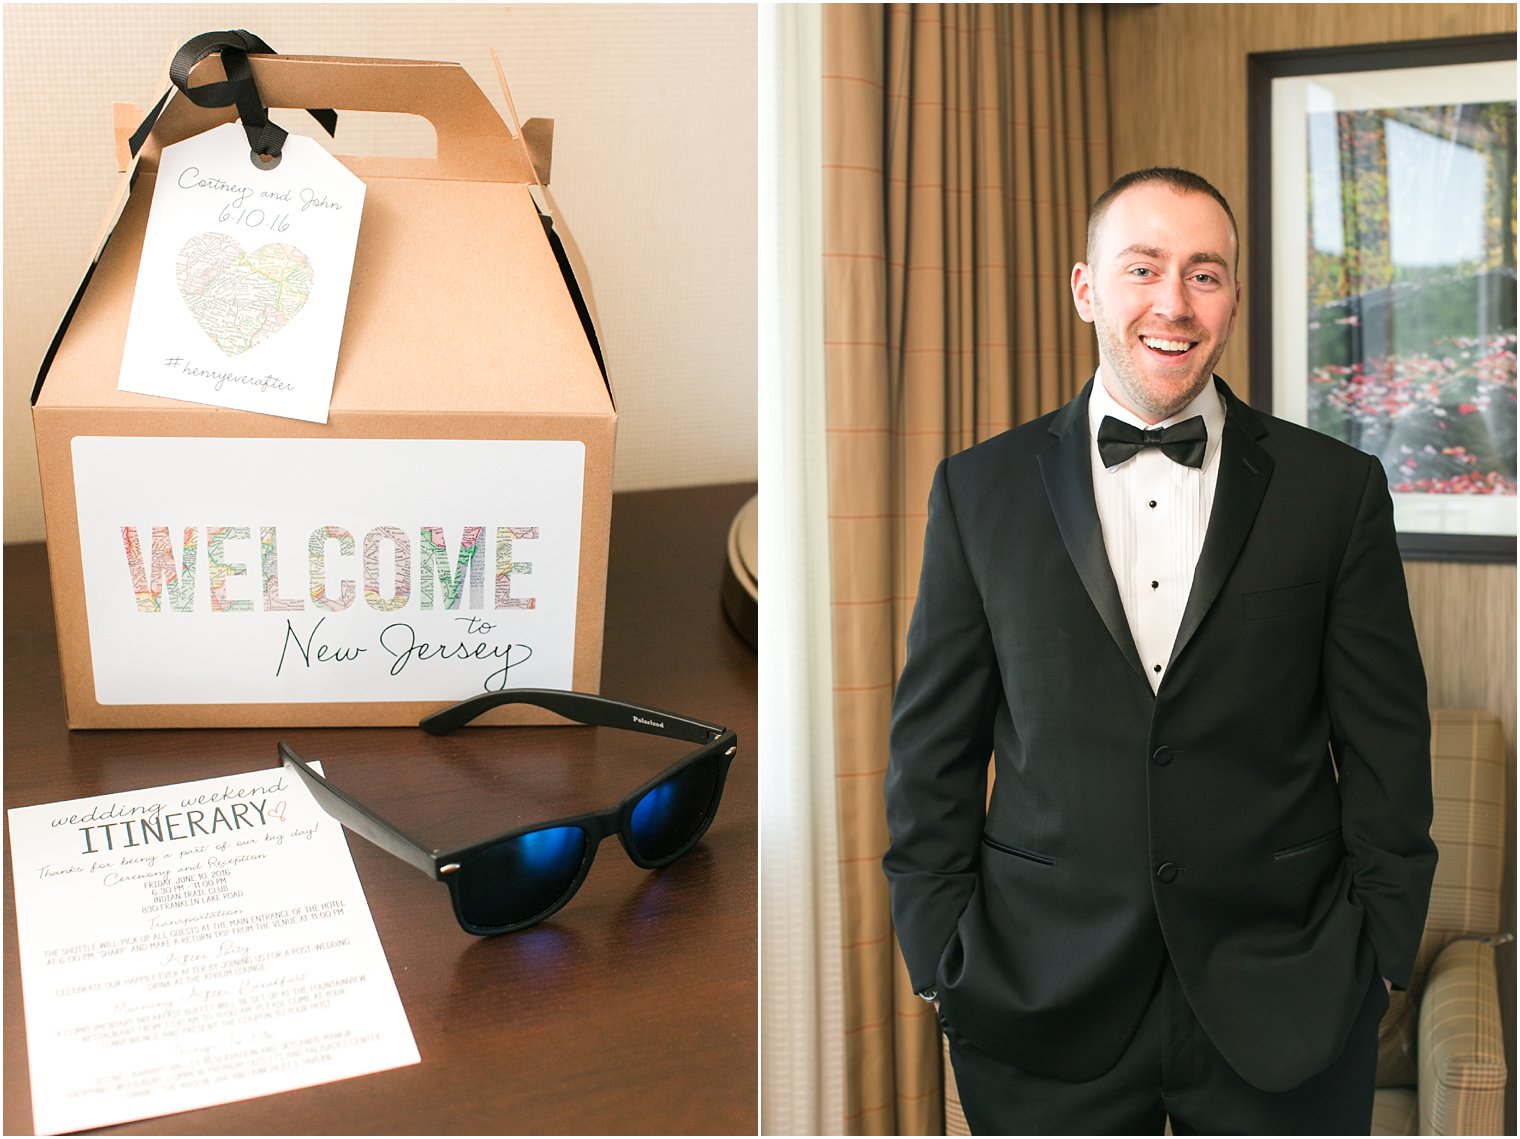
1269 603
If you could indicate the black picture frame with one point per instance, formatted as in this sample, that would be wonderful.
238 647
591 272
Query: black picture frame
1261 69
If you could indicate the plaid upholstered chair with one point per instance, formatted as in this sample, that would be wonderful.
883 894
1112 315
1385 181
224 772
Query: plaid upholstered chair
1441 1068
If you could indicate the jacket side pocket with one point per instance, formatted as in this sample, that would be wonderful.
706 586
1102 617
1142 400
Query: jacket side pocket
1019 852
1305 847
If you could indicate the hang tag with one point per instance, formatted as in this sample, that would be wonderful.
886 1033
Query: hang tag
244 278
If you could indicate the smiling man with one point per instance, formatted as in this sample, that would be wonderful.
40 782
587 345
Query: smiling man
1162 312
1180 629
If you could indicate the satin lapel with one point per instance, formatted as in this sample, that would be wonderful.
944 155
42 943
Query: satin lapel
1066 467
1244 472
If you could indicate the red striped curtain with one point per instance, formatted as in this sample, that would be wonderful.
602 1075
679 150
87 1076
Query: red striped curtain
963 144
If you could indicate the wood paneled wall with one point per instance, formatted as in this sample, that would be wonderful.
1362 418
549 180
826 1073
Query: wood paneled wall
1177 75
1177 85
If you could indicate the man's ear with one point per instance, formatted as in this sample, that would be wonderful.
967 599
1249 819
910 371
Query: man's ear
1081 290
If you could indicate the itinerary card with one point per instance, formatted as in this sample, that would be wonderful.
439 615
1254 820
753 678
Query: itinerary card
192 945
244 277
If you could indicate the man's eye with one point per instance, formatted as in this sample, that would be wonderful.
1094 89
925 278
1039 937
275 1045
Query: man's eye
1206 278
1141 272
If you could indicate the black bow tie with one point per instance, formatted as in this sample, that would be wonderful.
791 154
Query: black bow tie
1182 442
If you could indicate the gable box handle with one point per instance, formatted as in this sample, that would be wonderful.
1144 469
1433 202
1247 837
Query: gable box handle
473 142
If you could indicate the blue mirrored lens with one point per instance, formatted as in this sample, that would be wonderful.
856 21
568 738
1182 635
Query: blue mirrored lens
670 813
520 878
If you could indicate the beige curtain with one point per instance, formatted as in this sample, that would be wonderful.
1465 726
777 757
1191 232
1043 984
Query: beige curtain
963 144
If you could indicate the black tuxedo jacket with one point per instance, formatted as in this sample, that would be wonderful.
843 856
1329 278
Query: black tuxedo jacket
1263 819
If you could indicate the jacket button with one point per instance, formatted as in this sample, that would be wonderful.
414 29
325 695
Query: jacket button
1166 872
1162 756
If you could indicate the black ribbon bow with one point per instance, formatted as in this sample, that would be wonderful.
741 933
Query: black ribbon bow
1183 442
265 139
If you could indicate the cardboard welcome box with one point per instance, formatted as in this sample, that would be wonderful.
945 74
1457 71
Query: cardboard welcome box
444 533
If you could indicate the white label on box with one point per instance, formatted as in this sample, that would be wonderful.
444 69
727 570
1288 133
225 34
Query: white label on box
243 282
250 571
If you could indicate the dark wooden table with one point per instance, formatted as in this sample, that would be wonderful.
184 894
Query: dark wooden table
633 1010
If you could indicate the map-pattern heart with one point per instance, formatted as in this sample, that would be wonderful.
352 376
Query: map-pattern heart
241 299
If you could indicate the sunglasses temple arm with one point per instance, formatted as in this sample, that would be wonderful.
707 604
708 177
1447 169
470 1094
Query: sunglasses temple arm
360 819
598 711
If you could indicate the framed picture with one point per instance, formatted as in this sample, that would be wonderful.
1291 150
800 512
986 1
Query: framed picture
1382 276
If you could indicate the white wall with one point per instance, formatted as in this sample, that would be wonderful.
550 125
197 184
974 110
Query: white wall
654 173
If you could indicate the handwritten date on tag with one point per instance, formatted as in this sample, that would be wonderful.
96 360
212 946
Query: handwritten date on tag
243 283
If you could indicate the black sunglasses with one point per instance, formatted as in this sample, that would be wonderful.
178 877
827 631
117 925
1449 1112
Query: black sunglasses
521 877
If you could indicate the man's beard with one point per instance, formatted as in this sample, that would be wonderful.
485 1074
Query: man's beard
1144 393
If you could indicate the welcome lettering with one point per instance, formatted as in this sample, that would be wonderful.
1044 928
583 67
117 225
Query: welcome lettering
382 562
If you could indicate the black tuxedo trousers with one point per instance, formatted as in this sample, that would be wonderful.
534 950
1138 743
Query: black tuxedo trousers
1262 820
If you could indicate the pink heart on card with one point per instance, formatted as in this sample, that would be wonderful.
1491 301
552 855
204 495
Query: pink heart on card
241 299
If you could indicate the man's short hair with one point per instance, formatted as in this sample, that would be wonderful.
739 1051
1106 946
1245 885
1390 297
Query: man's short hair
1182 181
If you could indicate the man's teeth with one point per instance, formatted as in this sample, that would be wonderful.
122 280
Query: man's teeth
1166 345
